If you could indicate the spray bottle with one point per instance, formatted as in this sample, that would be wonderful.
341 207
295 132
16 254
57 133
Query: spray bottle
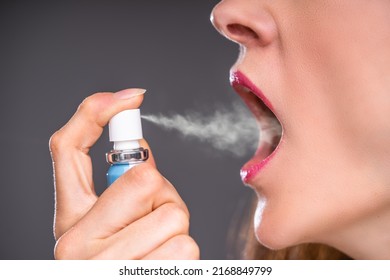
125 130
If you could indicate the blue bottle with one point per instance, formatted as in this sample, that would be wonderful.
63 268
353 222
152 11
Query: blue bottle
125 130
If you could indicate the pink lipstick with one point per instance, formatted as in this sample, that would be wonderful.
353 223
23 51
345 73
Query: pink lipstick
270 127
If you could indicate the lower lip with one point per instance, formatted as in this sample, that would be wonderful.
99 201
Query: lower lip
258 163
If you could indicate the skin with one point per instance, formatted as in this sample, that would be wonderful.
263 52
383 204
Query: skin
141 205
325 67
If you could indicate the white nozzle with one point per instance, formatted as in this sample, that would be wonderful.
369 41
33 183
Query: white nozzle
125 130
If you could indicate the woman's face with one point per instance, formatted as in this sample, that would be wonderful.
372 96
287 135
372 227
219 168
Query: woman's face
324 68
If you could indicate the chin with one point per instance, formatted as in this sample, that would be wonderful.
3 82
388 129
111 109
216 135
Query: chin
276 231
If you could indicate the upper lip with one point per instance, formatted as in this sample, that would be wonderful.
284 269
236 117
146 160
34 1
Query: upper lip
239 80
265 114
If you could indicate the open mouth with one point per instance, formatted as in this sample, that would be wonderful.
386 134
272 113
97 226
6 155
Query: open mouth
269 125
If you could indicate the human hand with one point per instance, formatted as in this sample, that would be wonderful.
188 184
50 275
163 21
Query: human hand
140 216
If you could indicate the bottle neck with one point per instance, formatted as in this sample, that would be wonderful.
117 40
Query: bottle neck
126 145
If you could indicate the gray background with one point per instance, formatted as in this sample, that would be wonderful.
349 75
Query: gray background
55 53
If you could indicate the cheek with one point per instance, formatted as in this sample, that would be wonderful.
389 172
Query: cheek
333 169
311 191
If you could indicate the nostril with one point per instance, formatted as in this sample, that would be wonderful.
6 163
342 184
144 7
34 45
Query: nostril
242 31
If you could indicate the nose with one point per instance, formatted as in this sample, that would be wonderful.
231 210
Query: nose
245 22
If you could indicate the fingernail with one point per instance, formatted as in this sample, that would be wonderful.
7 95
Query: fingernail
129 93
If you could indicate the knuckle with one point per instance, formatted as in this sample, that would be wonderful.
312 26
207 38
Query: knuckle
55 142
187 247
72 246
60 250
174 215
64 248
148 180
95 108
88 105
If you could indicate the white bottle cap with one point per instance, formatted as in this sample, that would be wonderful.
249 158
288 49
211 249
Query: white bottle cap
125 130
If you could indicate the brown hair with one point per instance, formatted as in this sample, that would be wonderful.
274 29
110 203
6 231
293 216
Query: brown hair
247 247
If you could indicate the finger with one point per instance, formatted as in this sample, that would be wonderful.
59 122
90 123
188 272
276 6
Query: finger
179 247
86 125
69 149
146 234
134 195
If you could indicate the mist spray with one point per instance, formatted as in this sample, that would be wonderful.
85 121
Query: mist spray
125 130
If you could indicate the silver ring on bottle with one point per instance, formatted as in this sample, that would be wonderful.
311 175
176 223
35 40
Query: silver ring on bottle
124 156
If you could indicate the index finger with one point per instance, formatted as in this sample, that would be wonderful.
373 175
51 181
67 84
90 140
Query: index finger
69 147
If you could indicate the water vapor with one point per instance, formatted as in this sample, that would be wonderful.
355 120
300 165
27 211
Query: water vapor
231 129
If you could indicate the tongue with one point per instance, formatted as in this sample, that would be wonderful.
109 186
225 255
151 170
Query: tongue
264 150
